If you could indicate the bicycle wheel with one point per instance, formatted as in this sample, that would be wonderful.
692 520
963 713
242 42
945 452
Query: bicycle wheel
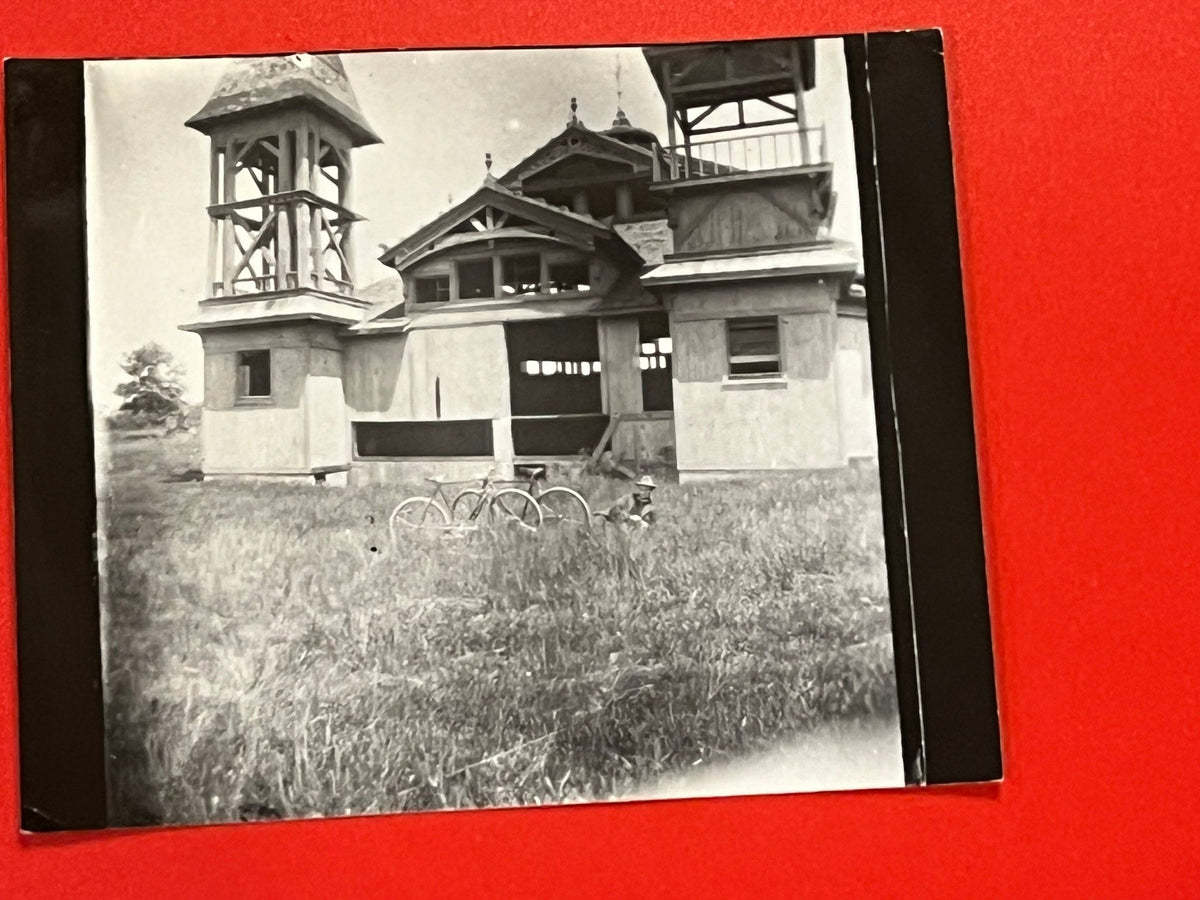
466 505
563 505
514 506
415 512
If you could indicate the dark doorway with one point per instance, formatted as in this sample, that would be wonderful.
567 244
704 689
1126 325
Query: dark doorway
554 377
554 367
654 359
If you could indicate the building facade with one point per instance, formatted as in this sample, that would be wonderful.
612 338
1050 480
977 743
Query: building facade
681 304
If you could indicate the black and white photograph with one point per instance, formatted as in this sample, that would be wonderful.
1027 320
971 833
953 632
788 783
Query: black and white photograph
484 428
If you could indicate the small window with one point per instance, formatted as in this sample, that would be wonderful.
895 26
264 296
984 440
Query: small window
254 374
754 346
475 279
433 290
569 276
522 274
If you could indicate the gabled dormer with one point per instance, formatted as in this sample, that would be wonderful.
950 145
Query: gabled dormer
602 174
500 247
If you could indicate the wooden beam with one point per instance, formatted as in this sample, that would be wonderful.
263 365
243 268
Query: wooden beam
256 244
801 118
692 123
316 220
670 98
228 239
303 211
613 421
283 232
346 200
333 242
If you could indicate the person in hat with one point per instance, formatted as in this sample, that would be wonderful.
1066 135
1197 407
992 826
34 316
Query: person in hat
635 508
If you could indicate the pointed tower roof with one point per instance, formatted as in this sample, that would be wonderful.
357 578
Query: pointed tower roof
626 132
252 84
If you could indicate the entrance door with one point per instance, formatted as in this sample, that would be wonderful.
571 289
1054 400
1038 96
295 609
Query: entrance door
554 378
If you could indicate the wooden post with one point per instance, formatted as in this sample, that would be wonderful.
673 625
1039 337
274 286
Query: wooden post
497 276
801 118
214 188
345 199
315 238
624 201
303 210
670 98
579 202
283 223
543 274
229 247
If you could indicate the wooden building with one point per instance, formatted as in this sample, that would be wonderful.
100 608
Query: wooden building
680 303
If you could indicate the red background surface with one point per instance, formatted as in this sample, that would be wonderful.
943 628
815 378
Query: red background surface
1075 134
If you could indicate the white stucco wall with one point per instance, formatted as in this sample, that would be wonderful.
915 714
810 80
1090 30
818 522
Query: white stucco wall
300 427
400 376
726 425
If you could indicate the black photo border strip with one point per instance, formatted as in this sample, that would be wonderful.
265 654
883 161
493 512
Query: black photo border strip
60 699
941 631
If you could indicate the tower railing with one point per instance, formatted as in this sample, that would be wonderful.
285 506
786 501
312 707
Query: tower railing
277 242
761 152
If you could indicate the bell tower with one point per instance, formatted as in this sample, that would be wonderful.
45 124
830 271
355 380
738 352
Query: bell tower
280 280
281 131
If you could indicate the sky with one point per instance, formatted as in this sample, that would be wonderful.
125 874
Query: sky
438 113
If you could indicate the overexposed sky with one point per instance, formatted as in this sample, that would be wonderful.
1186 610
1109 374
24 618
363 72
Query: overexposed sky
438 113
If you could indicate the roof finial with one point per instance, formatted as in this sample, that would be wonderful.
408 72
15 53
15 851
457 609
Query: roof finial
487 161
574 107
618 82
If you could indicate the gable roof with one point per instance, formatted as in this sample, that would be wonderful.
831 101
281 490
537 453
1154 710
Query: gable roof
492 193
251 84
560 147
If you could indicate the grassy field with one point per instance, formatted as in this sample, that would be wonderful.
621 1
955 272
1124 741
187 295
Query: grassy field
270 654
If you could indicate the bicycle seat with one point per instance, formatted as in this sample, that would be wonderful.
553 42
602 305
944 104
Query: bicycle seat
435 479
532 471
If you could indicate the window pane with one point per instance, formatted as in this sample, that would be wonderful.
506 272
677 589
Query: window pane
475 279
254 373
522 274
569 276
754 346
433 290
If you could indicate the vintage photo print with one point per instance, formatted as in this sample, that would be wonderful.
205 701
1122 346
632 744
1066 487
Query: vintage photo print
484 428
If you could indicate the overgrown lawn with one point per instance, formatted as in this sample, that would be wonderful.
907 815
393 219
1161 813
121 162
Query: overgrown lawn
270 654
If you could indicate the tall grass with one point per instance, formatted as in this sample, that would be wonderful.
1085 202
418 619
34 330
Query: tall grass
270 654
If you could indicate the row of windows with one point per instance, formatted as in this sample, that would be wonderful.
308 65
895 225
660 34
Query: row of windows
752 345
519 274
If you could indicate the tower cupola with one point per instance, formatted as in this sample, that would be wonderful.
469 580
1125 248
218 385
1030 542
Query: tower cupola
282 130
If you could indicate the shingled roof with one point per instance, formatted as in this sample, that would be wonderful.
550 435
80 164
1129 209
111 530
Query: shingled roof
252 84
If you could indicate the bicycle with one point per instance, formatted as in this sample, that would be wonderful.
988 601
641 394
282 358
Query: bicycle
508 505
558 504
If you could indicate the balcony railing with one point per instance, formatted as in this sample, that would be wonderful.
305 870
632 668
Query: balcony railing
762 152
257 284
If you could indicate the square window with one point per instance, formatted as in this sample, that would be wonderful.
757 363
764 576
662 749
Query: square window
569 276
254 374
753 346
475 279
435 289
522 274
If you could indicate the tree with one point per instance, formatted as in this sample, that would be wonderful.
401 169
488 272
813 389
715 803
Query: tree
154 393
